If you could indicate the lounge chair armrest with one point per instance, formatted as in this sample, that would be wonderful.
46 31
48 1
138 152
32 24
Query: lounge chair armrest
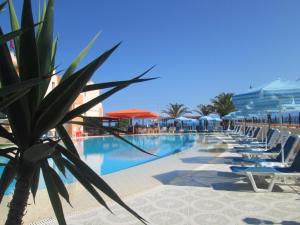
263 154
287 174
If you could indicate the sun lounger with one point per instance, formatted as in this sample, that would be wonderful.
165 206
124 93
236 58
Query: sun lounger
255 134
258 152
284 135
236 132
271 141
291 146
274 173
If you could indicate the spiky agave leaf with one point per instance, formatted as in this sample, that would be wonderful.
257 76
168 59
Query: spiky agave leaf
6 135
62 190
46 112
28 56
66 139
101 86
71 69
9 36
7 177
44 46
85 182
11 99
53 194
57 103
53 53
2 5
10 94
90 104
8 152
35 181
8 72
19 87
57 159
41 17
109 130
14 35
14 23
18 113
38 152
95 180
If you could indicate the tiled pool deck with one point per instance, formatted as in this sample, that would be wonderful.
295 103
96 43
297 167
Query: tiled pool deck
186 189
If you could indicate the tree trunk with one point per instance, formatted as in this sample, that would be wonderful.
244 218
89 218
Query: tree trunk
21 194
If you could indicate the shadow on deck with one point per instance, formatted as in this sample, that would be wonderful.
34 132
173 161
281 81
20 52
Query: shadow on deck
251 220
209 160
217 180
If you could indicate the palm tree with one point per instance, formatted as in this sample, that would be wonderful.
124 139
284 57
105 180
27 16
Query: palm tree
176 110
204 110
223 103
31 114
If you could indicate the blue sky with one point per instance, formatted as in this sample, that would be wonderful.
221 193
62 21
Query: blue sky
200 47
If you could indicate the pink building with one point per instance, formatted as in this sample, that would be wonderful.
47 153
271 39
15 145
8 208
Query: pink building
96 111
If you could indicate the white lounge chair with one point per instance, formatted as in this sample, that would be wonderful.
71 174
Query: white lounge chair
276 174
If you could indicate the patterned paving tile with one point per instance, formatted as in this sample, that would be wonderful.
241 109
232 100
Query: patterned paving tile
198 204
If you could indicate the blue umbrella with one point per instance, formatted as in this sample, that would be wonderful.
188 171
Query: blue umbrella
229 116
212 117
170 121
206 118
181 118
185 121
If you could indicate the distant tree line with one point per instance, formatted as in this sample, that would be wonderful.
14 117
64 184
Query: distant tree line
221 104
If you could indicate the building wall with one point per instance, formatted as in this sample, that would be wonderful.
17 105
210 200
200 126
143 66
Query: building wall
74 128
55 79
96 111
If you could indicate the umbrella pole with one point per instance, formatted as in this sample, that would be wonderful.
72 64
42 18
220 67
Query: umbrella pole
262 130
132 125
266 139
282 149
245 126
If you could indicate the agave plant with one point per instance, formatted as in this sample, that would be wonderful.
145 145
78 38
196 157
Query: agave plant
31 113
176 110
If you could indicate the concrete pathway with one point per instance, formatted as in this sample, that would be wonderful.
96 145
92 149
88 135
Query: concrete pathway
209 194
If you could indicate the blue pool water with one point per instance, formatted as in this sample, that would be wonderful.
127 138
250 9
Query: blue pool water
108 154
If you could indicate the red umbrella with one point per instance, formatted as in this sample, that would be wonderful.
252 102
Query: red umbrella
133 113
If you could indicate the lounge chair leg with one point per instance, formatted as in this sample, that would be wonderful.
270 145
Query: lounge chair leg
254 186
272 183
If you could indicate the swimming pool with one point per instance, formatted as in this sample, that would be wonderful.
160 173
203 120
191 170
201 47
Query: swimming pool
107 155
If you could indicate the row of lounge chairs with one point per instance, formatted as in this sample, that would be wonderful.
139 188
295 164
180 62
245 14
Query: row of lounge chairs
274 157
